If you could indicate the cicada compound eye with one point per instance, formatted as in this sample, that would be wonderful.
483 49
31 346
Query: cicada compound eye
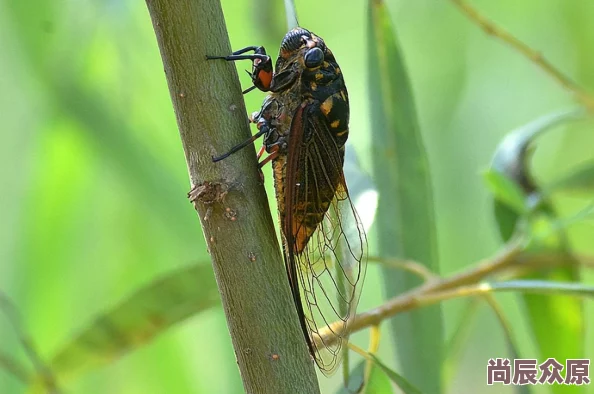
314 57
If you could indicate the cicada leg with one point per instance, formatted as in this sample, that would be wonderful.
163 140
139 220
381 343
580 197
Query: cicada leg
261 66
239 147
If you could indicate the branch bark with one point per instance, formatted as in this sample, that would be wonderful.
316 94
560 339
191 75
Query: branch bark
230 199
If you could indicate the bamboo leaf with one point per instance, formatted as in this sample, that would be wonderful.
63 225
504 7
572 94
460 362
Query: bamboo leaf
377 382
512 347
135 321
510 179
401 382
505 190
580 180
406 226
362 190
512 154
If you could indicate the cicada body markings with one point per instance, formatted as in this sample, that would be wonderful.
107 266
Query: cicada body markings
304 121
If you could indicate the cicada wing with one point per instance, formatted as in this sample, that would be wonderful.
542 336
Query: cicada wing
325 241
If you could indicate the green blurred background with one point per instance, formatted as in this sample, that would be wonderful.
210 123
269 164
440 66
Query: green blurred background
93 177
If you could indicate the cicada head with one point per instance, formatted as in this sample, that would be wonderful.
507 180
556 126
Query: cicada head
302 47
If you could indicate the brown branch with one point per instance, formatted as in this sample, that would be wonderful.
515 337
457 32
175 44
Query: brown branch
405 265
434 291
492 29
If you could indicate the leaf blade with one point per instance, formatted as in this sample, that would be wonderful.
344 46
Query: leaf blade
406 226
135 321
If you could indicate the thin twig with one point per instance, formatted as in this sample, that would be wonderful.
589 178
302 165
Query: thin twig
13 367
434 291
492 29
409 299
12 315
503 322
374 340
406 265
454 345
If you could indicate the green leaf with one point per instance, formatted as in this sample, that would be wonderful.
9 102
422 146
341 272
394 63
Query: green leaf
510 179
507 219
556 321
459 338
406 226
362 190
377 383
356 380
512 153
136 321
400 381
578 180
509 338
291 14
505 190
509 202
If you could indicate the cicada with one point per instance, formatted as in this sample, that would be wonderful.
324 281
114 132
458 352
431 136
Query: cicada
304 121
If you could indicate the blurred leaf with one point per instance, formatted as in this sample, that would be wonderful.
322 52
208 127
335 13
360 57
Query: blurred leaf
406 225
136 321
509 202
578 180
512 153
510 178
14 368
291 13
506 191
267 15
400 381
47 379
507 219
556 321
356 380
509 337
361 188
117 145
452 349
377 383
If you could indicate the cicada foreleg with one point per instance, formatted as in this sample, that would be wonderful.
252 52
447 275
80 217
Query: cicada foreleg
261 74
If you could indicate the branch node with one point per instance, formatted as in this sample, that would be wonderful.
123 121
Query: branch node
208 193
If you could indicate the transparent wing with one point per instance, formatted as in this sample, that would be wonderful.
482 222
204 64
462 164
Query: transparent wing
325 241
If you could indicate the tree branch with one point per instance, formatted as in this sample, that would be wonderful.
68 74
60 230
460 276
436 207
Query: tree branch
461 284
231 202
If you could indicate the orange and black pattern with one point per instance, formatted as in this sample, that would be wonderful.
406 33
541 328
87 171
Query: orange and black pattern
304 121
